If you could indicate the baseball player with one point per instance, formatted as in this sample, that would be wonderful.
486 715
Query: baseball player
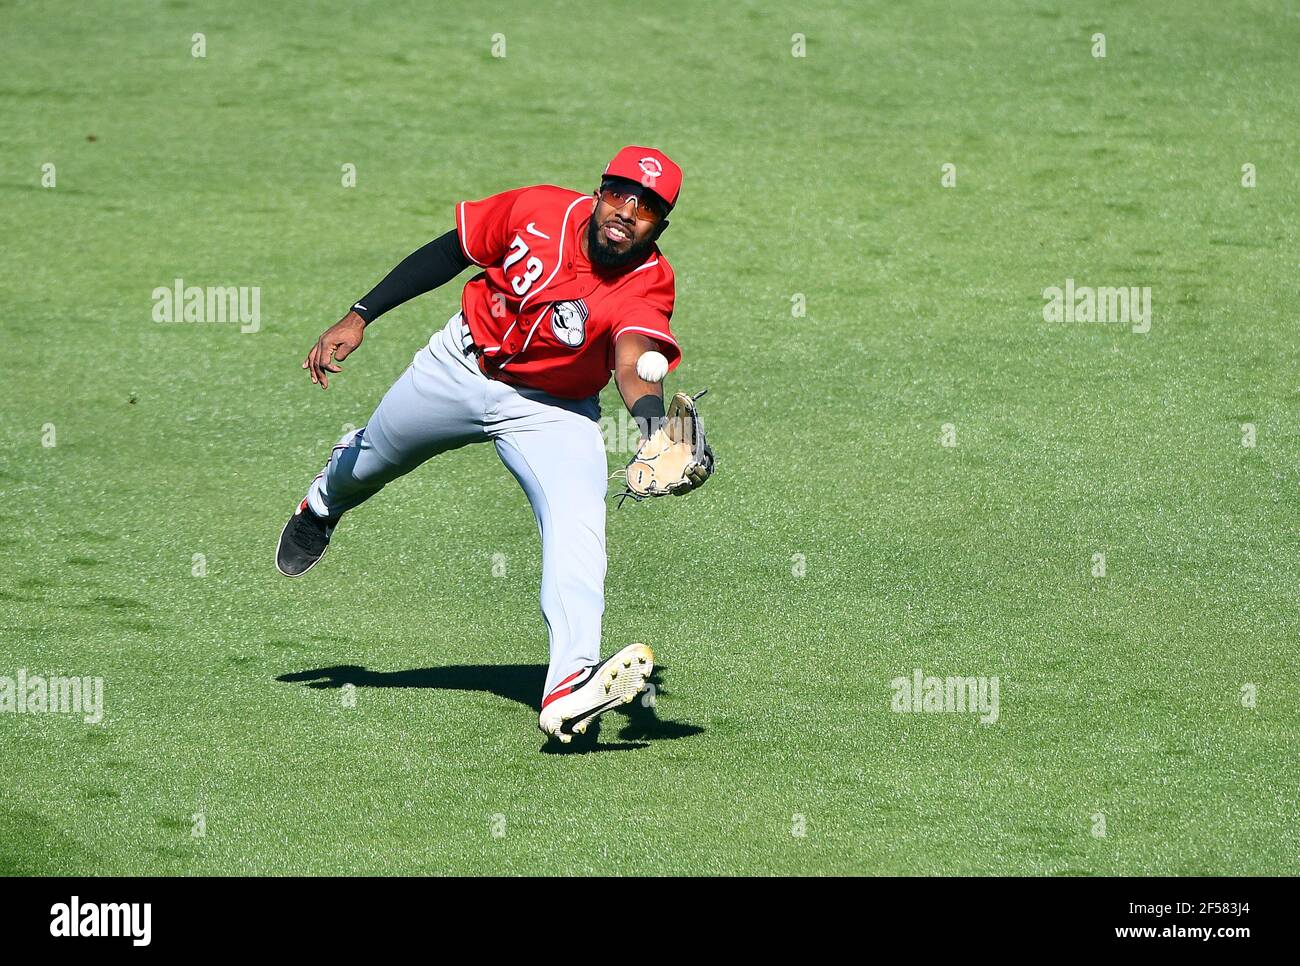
570 287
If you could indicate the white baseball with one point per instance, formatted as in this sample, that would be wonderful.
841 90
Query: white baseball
652 366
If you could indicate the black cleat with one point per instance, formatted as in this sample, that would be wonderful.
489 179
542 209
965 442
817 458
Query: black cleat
303 541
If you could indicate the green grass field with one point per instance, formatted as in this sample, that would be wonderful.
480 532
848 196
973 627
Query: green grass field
841 545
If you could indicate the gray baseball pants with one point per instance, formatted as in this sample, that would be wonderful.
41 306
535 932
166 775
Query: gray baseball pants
553 447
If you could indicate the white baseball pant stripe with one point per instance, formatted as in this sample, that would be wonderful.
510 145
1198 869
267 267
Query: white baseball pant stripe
552 446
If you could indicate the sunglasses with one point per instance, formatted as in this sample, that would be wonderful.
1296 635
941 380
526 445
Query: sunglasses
648 208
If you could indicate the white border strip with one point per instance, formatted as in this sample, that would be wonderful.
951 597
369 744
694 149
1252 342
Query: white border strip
564 236
460 235
661 336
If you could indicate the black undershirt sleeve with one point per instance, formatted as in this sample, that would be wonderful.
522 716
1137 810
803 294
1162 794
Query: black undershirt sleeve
421 271
648 411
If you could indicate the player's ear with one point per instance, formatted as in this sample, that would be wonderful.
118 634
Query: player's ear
660 229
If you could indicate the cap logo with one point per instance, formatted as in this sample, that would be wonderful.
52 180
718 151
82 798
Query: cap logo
651 169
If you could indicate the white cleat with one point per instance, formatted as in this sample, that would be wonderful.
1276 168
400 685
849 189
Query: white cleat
577 700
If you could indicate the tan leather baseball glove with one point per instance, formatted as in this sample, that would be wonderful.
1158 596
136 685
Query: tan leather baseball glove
676 458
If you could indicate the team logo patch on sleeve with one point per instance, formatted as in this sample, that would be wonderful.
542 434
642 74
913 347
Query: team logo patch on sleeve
569 322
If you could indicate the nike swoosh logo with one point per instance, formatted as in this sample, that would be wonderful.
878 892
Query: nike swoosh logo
567 727
531 228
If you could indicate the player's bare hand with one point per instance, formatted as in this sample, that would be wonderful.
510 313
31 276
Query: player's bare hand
335 345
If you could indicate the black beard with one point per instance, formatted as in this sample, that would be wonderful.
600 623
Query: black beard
603 255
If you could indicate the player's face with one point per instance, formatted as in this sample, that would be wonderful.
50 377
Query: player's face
624 225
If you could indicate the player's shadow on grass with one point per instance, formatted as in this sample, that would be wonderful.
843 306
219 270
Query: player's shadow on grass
514 682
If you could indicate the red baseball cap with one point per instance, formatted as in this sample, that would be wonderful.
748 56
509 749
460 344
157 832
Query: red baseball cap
649 167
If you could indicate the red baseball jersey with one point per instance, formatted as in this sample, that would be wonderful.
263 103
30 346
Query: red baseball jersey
539 312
